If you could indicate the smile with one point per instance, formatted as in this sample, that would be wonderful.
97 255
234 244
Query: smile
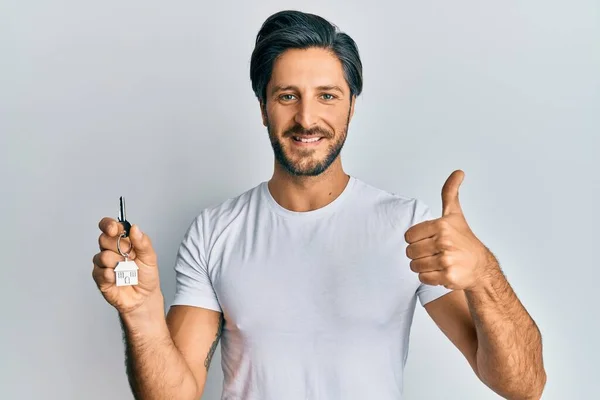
307 140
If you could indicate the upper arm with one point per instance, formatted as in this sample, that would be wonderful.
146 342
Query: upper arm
452 315
195 332
195 319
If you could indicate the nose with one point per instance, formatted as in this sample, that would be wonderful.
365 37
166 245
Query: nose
306 116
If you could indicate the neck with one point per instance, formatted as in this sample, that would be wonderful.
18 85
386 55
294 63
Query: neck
307 193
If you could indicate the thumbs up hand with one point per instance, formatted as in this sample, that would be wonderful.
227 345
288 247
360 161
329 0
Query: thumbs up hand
445 251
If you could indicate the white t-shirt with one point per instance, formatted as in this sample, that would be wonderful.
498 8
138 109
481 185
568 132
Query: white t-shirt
317 305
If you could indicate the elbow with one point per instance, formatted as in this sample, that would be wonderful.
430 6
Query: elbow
539 386
518 388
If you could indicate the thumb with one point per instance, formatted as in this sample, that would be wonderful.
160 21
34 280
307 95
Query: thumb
142 246
450 202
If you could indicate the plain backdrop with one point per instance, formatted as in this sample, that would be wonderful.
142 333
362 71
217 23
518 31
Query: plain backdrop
151 100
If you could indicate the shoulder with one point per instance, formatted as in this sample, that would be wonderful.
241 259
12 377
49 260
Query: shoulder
220 215
401 209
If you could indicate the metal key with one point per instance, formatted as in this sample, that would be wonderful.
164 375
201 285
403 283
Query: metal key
123 217
126 272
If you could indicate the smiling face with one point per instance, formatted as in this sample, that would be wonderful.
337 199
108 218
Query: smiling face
308 109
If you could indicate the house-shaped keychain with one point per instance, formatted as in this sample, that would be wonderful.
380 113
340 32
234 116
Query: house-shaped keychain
126 273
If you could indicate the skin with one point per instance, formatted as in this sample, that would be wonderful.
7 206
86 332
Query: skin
482 316
166 357
306 179
169 357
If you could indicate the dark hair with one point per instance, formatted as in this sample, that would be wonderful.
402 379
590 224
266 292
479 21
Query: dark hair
297 30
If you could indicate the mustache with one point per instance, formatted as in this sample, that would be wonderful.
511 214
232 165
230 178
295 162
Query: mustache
299 130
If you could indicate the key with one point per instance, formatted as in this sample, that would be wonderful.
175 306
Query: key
126 272
123 217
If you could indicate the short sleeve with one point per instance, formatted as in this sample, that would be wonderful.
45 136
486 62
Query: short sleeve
192 280
426 293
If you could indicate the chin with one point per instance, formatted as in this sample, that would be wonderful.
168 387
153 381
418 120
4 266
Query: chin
315 168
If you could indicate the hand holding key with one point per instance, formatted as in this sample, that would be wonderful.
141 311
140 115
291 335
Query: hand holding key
123 246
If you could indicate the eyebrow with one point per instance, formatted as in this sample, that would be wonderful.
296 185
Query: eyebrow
278 88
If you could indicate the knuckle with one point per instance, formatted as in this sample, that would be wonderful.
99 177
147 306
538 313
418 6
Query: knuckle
101 259
446 260
443 242
107 258
104 224
110 227
96 259
443 225
108 276
451 276
96 274
413 266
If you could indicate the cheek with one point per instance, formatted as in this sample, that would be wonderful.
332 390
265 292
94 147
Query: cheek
279 120
336 117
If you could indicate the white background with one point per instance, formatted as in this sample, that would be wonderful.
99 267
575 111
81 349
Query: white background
151 100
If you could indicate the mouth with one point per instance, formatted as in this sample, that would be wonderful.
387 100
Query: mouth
307 139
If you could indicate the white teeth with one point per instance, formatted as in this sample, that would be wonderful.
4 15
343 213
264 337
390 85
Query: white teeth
311 140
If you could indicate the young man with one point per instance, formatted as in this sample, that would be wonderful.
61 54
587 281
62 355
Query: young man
311 279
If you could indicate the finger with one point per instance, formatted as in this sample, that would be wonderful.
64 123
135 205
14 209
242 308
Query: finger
450 201
420 231
110 226
106 242
433 278
103 276
423 248
107 259
143 246
426 264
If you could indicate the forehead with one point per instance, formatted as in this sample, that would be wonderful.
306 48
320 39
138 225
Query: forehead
308 67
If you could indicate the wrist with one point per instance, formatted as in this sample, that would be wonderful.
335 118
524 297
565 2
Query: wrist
488 282
150 315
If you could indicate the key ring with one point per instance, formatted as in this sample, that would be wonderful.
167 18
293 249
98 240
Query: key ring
126 255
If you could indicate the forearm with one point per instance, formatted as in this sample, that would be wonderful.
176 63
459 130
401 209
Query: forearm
155 367
509 353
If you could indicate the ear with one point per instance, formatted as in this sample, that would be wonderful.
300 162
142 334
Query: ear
263 112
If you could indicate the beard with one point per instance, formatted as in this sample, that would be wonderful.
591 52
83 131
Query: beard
306 164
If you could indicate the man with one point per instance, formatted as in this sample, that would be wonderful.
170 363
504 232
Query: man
311 279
